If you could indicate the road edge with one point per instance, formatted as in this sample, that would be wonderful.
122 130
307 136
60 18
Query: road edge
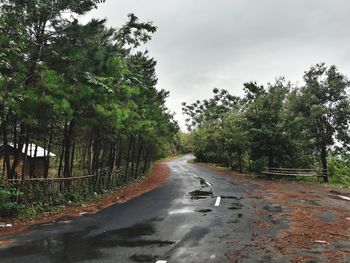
158 175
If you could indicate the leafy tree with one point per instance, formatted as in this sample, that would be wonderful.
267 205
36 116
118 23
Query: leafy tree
235 138
209 111
266 131
323 106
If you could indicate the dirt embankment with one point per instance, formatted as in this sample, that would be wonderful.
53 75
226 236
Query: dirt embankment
317 222
158 176
313 220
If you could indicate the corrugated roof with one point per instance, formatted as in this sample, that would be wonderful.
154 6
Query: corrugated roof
40 152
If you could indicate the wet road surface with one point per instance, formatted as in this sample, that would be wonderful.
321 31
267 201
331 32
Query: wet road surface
197 216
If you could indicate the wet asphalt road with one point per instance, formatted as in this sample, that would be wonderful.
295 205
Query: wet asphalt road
177 222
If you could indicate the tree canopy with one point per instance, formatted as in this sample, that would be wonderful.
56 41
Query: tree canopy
84 91
279 125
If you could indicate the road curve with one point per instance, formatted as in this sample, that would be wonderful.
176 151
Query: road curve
196 216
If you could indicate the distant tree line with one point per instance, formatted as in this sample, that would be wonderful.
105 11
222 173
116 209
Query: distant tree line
83 91
279 125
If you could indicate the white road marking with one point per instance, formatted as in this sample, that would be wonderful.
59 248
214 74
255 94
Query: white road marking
218 199
195 175
161 261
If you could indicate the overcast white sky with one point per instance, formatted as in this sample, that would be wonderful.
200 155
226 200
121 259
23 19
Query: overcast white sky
202 44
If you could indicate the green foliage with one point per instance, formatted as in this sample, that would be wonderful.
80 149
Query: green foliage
323 108
277 126
266 130
183 142
8 197
339 168
85 91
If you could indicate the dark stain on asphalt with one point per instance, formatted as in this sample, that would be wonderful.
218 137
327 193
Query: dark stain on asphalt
90 228
143 258
233 221
235 206
81 245
192 238
198 194
133 231
204 211
157 219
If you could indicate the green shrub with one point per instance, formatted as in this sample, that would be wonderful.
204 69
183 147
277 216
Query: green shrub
339 168
8 200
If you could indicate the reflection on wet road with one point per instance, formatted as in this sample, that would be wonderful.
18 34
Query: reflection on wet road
177 222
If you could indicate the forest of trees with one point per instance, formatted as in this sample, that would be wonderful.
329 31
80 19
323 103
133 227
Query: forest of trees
83 91
279 125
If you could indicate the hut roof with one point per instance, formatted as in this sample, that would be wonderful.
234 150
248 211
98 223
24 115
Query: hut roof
40 152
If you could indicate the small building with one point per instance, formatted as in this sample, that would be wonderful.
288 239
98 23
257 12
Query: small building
35 162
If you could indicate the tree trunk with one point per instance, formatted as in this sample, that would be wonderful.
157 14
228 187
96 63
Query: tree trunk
25 159
240 162
145 160
270 161
139 155
6 156
18 150
72 157
324 163
128 158
32 161
47 158
91 153
61 159
133 157
68 134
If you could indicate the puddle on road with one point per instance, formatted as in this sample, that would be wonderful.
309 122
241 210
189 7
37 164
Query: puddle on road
133 231
235 206
198 194
203 183
81 245
204 211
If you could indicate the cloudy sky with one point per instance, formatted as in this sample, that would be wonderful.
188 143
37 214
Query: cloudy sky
202 44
